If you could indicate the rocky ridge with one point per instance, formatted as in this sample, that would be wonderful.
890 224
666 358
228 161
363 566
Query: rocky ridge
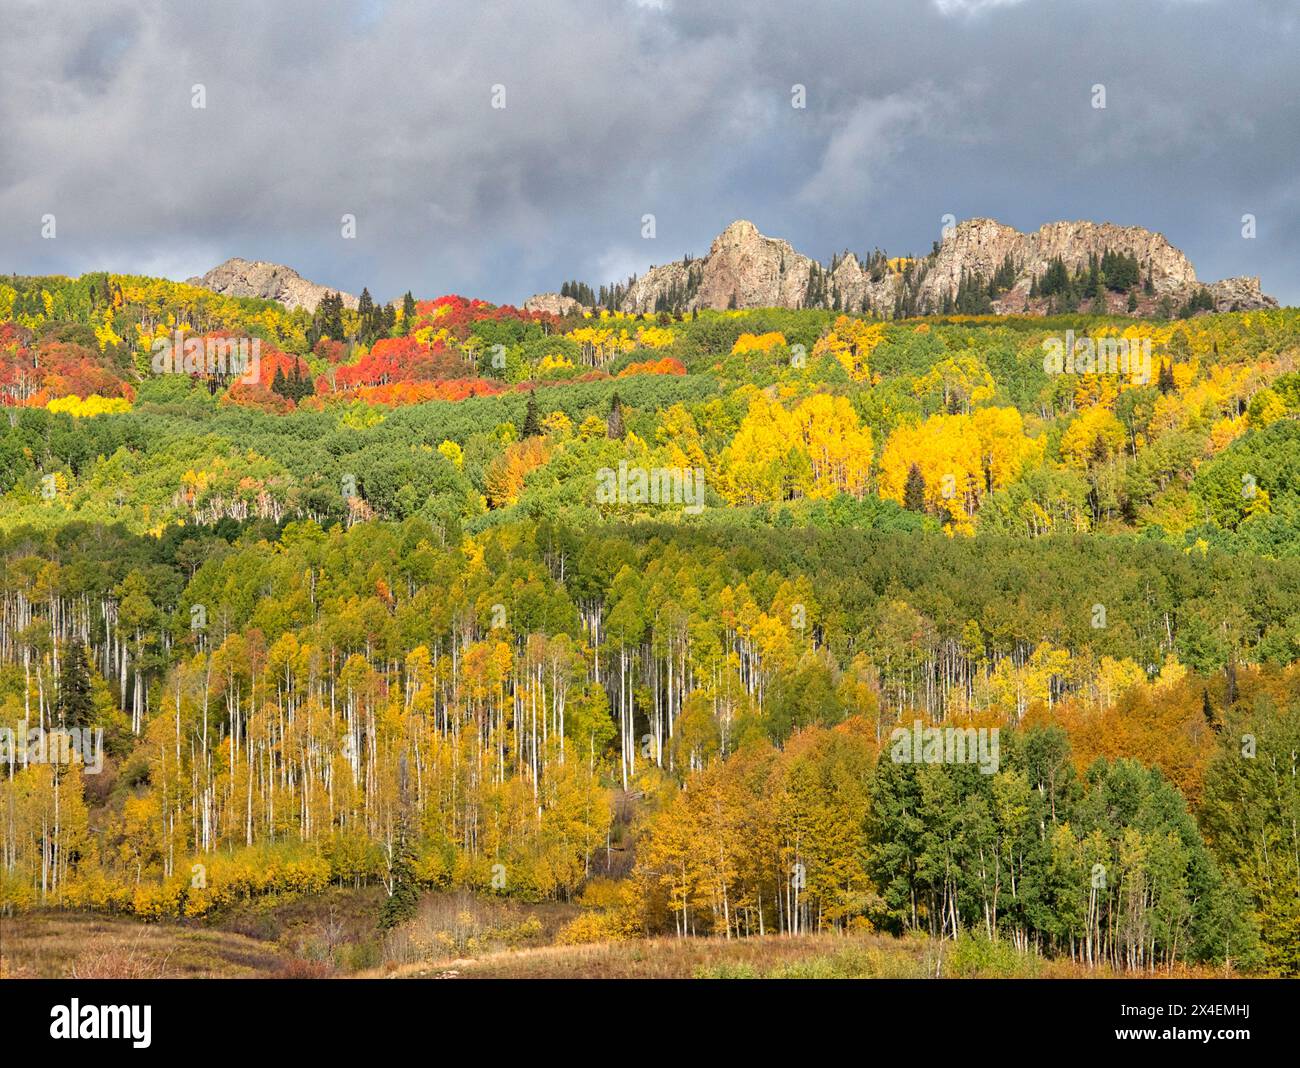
747 269
269 281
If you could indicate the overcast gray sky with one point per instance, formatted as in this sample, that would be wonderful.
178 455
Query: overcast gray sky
619 108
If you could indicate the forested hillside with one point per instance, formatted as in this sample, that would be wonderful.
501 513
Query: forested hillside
628 609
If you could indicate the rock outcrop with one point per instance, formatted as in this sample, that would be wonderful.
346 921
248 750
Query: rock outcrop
269 281
746 269
1239 294
554 304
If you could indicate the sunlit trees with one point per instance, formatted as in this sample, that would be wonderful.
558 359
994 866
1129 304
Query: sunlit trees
817 450
838 449
959 458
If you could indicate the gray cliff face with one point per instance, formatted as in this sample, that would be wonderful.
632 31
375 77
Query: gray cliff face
553 304
746 269
269 281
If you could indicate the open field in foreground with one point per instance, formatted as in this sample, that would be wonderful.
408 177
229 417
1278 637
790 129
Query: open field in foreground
459 936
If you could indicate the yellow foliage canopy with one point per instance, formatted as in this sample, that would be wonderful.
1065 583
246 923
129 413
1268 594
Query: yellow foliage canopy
960 457
818 450
90 406
851 342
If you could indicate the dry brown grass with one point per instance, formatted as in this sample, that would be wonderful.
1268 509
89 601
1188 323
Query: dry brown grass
463 925
297 968
819 956
122 962
78 946
668 958
331 934
462 936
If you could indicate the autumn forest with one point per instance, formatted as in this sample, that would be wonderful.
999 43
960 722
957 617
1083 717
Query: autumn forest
637 616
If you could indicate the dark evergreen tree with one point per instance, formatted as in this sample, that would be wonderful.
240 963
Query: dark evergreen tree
973 295
532 424
75 706
372 323
404 889
1120 270
1004 277
1165 377
914 490
1198 302
326 320
1056 278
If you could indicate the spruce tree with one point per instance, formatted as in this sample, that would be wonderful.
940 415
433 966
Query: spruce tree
332 319
1165 379
532 424
75 705
404 893
914 490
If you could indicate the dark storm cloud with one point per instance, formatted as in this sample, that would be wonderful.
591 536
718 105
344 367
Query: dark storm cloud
616 109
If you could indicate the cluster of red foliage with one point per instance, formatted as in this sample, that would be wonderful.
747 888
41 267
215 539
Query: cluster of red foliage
33 374
405 371
461 313
13 337
331 351
259 394
286 363
667 366
395 394
256 395
395 371
401 359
